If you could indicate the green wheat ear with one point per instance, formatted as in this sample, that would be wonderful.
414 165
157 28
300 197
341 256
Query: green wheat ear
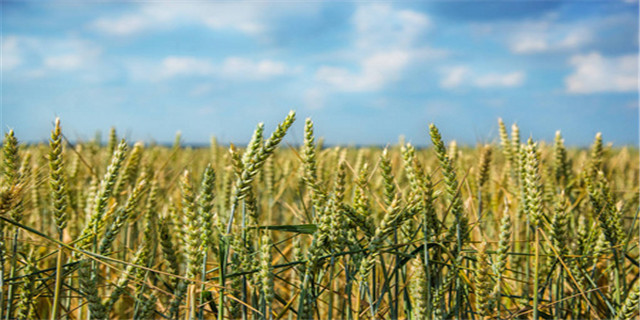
12 187
122 215
561 164
122 282
505 143
597 152
408 158
266 269
11 160
60 201
559 232
392 219
504 244
502 256
532 184
515 139
309 159
483 283
254 145
25 308
485 162
90 290
191 225
57 181
254 165
104 193
451 184
630 306
130 171
113 140
387 178
419 290
168 249
236 160
454 152
205 207
339 186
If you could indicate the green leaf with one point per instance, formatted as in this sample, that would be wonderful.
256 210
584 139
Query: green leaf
297 228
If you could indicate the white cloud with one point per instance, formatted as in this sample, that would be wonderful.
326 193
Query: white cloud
185 66
547 35
240 16
535 42
575 39
39 57
314 99
376 71
65 62
380 25
529 43
594 73
232 67
123 25
206 110
442 108
458 76
70 55
384 45
454 77
512 79
201 89
237 67
11 55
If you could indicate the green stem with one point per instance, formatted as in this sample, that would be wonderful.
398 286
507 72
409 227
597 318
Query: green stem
224 255
1 270
224 252
394 311
12 274
244 297
58 285
616 281
498 294
559 284
192 301
303 294
331 295
348 290
67 300
527 270
459 290
536 275
202 288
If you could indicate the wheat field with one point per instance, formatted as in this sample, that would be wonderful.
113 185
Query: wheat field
515 229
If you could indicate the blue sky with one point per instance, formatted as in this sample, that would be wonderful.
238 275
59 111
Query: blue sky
365 72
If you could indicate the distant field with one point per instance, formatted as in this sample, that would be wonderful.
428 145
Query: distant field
514 230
